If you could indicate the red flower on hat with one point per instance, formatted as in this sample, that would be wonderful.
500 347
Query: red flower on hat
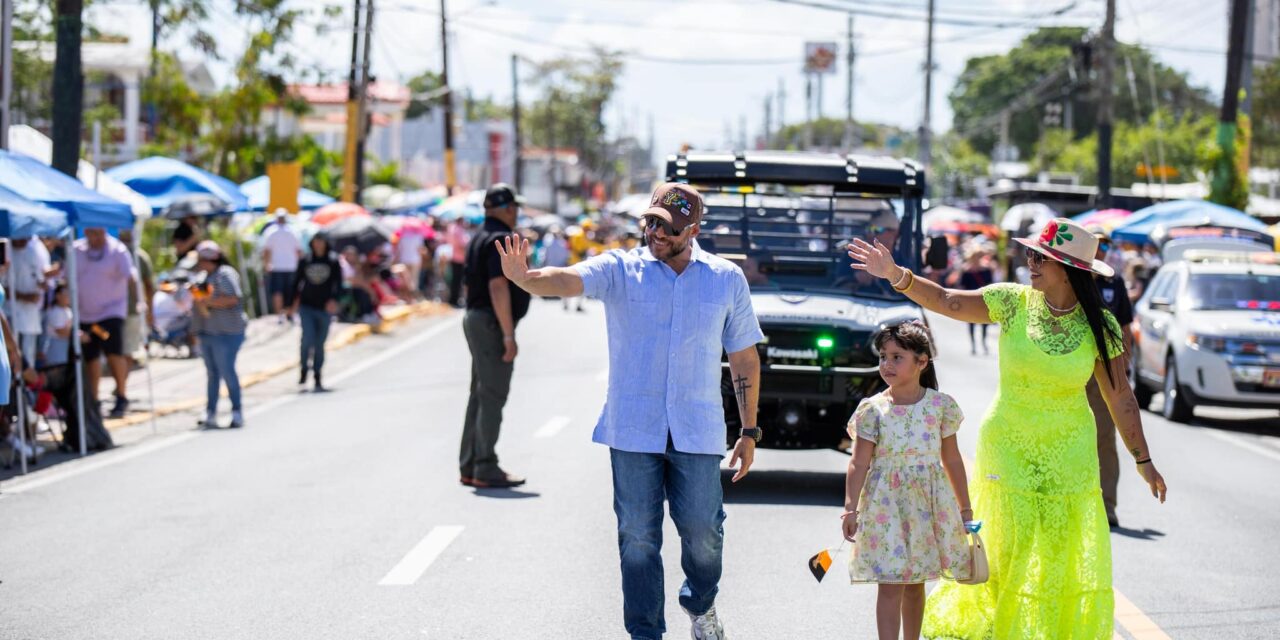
1055 234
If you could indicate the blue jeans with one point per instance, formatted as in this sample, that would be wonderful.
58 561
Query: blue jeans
315 331
690 483
220 353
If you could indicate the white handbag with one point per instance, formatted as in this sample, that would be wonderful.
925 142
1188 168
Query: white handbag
978 571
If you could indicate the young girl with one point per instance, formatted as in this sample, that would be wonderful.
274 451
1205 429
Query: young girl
910 526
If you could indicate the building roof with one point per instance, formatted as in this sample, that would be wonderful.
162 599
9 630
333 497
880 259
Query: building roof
337 93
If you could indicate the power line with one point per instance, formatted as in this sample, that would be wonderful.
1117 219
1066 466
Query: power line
955 22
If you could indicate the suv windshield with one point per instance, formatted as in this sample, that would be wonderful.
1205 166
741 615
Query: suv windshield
1248 291
793 240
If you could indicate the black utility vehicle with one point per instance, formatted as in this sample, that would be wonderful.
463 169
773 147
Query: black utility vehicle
785 218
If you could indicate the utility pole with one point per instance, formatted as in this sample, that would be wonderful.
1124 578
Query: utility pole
1231 98
849 126
1106 87
926 131
742 132
768 121
353 111
152 114
551 153
515 119
1246 71
363 118
808 111
68 86
6 69
450 177
782 119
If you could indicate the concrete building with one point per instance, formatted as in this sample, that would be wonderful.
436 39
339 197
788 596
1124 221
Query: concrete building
484 151
326 120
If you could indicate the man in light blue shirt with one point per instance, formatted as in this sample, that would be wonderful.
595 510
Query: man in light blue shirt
670 310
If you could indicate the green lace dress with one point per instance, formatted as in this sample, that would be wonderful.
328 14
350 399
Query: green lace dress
1036 487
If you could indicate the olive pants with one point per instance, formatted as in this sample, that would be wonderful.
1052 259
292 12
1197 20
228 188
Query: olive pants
490 384
1108 459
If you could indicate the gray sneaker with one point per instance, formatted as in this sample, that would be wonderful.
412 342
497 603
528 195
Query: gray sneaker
706 626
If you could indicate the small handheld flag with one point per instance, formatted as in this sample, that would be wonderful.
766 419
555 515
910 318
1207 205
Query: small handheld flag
821 563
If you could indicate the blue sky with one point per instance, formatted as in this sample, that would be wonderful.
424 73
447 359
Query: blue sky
672 44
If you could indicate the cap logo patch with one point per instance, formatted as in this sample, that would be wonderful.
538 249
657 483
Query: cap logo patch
677 199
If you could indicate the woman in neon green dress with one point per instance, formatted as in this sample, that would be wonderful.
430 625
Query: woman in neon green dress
1036 478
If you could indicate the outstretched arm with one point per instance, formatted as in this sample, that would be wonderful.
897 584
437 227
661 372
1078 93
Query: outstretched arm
547 281
1124 411
966 306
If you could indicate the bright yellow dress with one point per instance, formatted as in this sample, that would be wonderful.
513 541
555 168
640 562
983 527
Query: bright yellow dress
1036 487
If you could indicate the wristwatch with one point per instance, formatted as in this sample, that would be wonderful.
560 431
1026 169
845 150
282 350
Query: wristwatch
751 432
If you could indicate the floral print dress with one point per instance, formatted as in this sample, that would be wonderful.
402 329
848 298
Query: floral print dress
909 525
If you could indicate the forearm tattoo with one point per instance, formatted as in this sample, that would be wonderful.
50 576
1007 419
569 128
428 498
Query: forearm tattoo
740 387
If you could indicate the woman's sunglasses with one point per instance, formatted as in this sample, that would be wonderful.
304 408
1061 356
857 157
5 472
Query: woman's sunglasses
1034 258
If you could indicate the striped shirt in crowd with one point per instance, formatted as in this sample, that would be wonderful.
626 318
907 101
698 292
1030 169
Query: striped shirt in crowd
224 281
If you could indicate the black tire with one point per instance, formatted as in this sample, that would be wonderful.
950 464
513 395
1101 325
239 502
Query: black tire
1175 407
1141 392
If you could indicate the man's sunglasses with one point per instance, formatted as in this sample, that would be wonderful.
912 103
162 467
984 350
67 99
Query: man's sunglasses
1104 246
653 223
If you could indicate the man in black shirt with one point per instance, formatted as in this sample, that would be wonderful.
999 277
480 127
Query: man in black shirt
1116 296
494 306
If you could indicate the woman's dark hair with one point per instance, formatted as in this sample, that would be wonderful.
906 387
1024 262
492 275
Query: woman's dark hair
328 248
1086 290
912 336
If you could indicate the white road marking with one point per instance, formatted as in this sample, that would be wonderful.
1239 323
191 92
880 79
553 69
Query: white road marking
99 461
552 427
420 557
102 460
1243 444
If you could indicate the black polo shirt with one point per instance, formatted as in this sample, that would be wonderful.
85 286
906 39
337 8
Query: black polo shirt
1116 296
485 263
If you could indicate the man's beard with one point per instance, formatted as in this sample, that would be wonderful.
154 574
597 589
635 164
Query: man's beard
669 250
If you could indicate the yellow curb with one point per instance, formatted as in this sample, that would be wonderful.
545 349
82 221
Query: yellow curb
349 336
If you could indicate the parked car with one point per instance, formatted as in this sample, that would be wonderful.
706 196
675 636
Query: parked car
1208 332
785 219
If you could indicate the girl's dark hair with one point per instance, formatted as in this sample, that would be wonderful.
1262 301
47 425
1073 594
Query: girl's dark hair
914 337
1086 290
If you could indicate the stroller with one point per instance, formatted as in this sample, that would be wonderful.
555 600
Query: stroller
172 309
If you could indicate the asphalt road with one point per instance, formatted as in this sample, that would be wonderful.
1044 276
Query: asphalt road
340 516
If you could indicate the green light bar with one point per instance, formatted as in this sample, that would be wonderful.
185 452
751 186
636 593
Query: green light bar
825 342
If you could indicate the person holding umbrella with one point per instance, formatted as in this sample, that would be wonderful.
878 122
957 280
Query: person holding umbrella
315 291
220 322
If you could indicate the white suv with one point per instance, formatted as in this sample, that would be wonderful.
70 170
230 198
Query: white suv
1208 332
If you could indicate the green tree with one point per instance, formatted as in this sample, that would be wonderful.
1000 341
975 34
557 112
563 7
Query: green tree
570 109
1265 150
988 84
955 166
1135 146
1227 163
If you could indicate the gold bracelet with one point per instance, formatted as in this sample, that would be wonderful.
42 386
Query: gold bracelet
903 277
911 282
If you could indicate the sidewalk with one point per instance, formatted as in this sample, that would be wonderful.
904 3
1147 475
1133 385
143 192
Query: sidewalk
271 349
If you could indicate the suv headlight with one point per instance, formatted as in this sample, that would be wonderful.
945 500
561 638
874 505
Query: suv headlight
1207 343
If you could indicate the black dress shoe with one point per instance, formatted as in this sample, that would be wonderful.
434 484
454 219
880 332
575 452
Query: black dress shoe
302 377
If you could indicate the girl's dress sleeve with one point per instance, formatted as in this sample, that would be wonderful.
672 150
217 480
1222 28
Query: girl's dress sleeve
865 422
951 416
1002 300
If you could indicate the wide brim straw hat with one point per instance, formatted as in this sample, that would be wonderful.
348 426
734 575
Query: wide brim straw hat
1069 243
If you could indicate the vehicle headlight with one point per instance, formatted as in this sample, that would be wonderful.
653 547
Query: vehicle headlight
1251 375
1207 343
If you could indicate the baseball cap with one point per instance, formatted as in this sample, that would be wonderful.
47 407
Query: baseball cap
208 250
677 203
501 195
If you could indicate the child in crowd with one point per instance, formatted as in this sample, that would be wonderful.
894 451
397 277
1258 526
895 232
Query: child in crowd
56 346
909 526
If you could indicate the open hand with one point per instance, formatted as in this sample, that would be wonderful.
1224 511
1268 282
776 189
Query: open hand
876 259
1154 480
515 257
744 450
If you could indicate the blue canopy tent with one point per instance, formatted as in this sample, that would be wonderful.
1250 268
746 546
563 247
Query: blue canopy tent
258 191
1182 213
84 209
22 218
162 181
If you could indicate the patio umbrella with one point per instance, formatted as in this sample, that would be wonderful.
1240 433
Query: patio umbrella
331 213
1028 217
199 204
364 233
1106 218
377 196
163 180
1182 213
